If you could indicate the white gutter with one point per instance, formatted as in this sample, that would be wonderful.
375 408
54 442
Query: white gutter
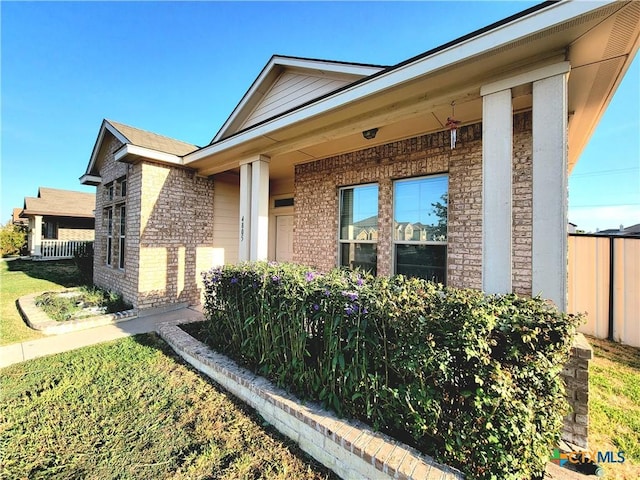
501 35
135 150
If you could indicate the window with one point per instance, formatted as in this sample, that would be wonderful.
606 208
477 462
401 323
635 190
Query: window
358 236
108 214
123 216
115 219
420 227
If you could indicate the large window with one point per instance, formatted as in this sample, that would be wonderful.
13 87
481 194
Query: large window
123 218
108 215
358 236
114 217
420 227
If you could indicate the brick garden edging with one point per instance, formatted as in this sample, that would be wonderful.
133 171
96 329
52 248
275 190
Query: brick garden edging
349 448
37 319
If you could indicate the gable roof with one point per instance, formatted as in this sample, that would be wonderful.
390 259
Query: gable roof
288 82
60 203
596 41
152 141
137 143
15 217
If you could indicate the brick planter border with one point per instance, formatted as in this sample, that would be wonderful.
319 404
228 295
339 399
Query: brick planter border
349 448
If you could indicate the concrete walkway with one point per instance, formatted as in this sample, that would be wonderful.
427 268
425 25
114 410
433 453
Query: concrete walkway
19 352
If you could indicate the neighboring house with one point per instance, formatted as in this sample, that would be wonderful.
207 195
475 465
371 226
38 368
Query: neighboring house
16 219
315 146
633 230
59 221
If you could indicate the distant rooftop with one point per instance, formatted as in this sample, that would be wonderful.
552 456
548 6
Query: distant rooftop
60 203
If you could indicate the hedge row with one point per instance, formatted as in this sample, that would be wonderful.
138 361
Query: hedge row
470 379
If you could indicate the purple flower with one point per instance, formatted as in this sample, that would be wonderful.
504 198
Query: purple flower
360 281
327 293
275 278
310 276
316 307
353 296
234 280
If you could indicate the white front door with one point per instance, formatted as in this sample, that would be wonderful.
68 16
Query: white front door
284 238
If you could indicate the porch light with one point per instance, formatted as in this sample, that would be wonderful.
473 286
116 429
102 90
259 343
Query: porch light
370 134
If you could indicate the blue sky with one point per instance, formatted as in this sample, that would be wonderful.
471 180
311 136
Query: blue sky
179 69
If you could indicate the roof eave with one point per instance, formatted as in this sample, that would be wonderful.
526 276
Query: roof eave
129 153
450 54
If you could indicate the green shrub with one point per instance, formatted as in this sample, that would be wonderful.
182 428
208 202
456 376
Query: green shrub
470 379
13 239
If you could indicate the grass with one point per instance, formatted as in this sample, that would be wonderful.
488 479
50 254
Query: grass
81 303
131 409
614 405
21 277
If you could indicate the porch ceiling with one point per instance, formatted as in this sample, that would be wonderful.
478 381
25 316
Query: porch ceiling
600 45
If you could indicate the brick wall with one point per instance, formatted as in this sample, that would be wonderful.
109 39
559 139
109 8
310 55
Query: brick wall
111 277
316 199
576 378
175 222
75 234
169 231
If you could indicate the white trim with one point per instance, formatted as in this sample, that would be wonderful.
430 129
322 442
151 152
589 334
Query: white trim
87 179
96 147
305 64
259 210
526 77
549 249
244 222
129 149
519 28
497 212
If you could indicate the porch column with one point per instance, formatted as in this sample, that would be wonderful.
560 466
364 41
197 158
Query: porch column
549 250
497 152
245 212
36 236
259 209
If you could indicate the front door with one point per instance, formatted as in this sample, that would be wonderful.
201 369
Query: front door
284 238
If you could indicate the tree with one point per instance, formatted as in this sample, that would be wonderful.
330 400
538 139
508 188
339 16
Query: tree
440 208
13 238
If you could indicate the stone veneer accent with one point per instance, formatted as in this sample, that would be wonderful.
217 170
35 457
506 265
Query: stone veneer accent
169 231
349 448
576 378
316 199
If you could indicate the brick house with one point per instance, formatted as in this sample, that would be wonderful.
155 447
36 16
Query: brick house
318 152
58 221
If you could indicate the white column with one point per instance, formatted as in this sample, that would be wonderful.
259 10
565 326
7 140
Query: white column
244 234
497 153
36 234
259 209
549 255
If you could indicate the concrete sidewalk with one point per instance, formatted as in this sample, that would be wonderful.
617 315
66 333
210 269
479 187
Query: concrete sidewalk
19 352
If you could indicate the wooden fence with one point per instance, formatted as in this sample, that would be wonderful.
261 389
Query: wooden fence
604 283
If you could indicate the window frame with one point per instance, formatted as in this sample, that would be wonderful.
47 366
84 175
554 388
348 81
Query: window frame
340 241
122 215
109 217
395 242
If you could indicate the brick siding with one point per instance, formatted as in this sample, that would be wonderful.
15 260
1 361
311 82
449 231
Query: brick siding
169 231
316 199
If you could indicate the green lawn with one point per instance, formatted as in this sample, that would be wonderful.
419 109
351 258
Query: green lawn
131 409
614 405
21 277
